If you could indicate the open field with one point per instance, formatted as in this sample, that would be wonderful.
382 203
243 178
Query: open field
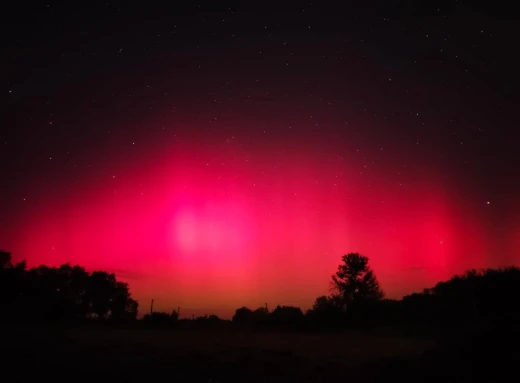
350 348
86 354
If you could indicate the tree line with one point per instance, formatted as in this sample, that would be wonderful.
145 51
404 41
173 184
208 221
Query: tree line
64 293
356 299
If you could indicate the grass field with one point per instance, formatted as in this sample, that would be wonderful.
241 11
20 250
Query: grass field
89 354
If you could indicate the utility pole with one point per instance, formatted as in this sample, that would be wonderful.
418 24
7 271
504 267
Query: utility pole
151 308
179 312
266 310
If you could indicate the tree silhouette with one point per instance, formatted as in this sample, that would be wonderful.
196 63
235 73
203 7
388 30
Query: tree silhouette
474 298
287 315
61 293
261 314
70 293
326 311
101 289
354 282
243 315
122 306
5 260
12 284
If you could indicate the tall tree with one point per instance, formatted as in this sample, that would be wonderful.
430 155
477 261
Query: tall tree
355 282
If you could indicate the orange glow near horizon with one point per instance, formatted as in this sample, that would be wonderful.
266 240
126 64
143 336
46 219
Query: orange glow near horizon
211 228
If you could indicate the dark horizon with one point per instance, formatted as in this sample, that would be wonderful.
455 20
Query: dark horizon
63 320
23 288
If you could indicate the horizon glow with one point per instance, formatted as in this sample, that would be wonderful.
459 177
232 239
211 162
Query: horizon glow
212 227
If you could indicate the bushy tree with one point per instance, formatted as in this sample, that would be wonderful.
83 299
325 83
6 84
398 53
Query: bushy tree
325 309
354 282
61 293
243 315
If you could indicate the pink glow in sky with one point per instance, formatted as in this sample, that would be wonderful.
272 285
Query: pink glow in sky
215 159
214 227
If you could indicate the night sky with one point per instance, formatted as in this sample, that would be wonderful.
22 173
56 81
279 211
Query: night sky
222 156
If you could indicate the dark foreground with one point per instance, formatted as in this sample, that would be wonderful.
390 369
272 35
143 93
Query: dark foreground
103 354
